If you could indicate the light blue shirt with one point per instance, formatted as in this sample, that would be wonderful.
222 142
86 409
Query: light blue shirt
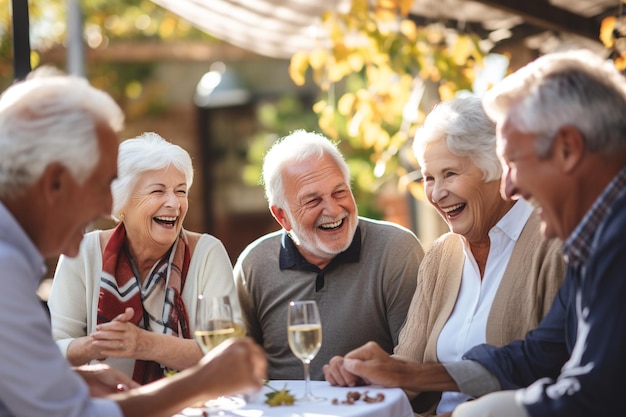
35 379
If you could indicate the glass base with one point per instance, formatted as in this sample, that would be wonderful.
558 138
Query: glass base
310 398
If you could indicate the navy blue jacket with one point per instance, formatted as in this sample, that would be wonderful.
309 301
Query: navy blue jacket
577 354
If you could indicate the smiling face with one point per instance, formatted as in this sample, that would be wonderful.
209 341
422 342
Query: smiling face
536 180
455 187
322 215
155 211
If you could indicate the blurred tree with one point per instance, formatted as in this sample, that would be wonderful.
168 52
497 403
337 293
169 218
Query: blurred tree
372 65
613 36
105 22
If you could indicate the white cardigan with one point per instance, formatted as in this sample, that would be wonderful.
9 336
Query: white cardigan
75 290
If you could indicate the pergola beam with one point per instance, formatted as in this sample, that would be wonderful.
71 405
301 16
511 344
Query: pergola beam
21 39
542 14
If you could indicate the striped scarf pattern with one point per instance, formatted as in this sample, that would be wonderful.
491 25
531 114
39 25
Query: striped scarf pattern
157 303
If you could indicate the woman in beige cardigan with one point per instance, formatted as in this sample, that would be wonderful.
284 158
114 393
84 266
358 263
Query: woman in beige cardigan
493 277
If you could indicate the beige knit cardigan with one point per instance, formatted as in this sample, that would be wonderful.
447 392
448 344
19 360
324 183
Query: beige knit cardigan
530 282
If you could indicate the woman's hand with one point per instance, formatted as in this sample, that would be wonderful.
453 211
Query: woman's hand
120 338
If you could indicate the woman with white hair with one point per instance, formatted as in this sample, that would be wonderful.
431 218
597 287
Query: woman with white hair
493 276
126 299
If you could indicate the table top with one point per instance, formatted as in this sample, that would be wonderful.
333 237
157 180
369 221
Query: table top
394 404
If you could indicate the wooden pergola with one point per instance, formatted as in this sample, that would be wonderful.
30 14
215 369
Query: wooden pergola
278 28
21 39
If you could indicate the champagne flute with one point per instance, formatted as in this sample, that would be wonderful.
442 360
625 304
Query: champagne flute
214 322
304 333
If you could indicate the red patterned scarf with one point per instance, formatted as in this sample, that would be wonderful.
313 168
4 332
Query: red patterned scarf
159 307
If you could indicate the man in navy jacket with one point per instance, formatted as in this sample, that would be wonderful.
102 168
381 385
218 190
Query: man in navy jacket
562 141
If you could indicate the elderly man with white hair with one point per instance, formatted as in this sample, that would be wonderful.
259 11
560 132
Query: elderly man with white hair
561 126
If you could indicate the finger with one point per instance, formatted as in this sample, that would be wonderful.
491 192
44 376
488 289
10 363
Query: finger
108 334
111 347
367 351
355 367
127 315
348 378
338 375
330 378
332 371
112 326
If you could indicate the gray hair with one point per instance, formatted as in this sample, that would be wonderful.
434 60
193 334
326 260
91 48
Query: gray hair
146 152
574 88
51 118
467 132
291 149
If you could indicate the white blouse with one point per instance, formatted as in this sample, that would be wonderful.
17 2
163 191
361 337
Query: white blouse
466 326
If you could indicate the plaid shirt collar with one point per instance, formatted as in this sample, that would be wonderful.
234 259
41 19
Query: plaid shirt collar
577 247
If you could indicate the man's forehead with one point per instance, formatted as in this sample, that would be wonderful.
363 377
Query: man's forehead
503 128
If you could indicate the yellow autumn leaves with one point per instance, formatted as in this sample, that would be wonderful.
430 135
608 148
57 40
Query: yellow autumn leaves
613 37
367 64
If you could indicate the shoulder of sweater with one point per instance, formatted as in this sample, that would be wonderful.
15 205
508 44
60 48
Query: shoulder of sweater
204 239
89 251
444 247
262 245
91 239
533 237
384 226
447 240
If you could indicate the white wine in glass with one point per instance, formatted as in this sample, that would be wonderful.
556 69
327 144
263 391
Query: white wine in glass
304 333
214 322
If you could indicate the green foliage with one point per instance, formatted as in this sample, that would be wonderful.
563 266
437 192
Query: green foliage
277 118
372 71
105 21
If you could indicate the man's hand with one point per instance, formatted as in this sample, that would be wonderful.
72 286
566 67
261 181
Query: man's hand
103 380
337 375
365 365
374 366
237 365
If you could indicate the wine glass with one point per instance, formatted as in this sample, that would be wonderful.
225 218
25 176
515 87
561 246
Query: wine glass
304 333
214 322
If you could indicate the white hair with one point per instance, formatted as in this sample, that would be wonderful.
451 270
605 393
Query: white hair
146 152
291 149
574 88
51 117
467 132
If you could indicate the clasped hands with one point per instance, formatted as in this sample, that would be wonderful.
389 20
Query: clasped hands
118 338
368 364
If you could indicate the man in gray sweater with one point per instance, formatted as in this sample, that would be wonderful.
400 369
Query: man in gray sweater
362 273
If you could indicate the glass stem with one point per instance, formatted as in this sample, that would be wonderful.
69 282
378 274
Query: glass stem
307 379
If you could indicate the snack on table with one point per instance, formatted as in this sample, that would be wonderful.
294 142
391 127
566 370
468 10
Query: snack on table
353 396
